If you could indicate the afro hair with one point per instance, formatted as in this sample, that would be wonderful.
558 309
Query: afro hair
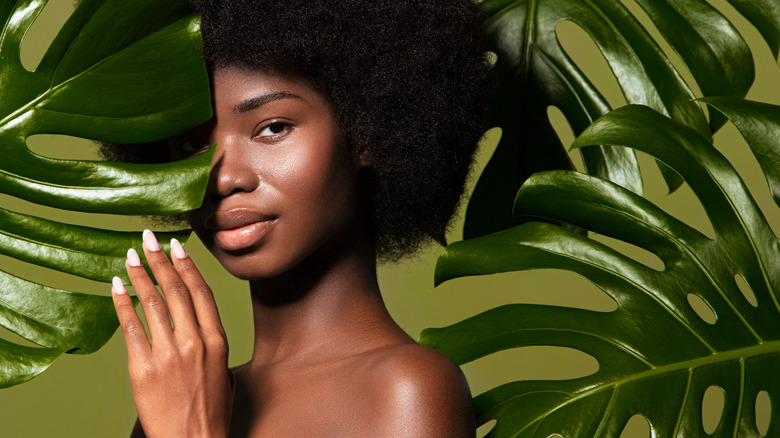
408 82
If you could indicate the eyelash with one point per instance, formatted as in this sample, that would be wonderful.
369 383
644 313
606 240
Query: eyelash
191 151
187 150
285 130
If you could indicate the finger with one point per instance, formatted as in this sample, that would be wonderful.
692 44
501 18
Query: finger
176 293
152 302
135 337
200 292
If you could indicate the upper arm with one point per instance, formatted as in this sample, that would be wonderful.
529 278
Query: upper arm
420 393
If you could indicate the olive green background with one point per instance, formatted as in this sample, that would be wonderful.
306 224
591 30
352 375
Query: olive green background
89 396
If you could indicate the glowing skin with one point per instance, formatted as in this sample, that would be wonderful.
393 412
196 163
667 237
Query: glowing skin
285 208
286 184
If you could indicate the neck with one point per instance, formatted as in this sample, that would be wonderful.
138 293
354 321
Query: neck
326 308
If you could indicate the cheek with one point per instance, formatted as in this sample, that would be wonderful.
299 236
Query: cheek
332 181
322 190
316 172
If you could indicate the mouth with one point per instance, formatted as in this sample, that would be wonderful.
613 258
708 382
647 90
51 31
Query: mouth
239 228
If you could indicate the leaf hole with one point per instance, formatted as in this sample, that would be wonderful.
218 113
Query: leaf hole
641 15
636 427
63 147
50 278
561 126
10 336
583 51
712 405
682 203
746 290
555 435
112 221
563 130
702 309
546 287
486 428
631 251
43 31
541 362
763 412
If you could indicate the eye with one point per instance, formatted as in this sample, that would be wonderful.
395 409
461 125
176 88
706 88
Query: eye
274 130
192 146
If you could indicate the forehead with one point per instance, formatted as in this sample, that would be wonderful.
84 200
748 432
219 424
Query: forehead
232 87
240 96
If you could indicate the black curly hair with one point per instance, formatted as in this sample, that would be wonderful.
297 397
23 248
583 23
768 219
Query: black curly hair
408 82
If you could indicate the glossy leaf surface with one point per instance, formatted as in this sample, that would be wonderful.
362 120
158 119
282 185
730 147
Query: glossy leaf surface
119 72
536 73
657 355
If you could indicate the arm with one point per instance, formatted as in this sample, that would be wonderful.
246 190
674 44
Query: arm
180 379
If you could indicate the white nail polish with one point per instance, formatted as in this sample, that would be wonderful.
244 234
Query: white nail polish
132 258
177 250
118 287
150 241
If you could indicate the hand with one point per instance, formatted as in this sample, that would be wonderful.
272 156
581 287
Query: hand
181 383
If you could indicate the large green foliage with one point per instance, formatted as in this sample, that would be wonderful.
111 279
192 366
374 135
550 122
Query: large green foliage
657 355
535 72
657 352
117 71
133 73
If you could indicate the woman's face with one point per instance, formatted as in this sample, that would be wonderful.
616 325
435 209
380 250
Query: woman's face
283 187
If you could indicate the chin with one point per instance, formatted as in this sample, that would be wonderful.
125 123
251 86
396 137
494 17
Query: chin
245 270
254 266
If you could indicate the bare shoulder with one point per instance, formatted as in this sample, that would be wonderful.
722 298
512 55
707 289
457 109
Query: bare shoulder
416 391
419 365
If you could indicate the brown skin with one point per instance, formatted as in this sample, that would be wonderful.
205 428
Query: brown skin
328 359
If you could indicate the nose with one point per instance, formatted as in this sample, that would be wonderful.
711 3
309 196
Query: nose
231 172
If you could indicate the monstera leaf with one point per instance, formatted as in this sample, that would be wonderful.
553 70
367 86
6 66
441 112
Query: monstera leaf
118 71
657 354
536 73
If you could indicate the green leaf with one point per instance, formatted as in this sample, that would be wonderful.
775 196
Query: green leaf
19 364
657 355
535 73
58 320
757 122
88 252
118 72
765 15
55 318
88 85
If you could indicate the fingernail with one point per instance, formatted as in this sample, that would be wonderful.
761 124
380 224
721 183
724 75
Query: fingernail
132 258
177 250
118 287
151 242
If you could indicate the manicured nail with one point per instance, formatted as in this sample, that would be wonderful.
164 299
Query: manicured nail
132 258
151 242
118 287
177 250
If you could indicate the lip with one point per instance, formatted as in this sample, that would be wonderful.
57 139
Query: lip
239 228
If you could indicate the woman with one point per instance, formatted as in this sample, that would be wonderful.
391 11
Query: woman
344 132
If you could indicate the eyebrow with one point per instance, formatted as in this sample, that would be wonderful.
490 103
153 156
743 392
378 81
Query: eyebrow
256 102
